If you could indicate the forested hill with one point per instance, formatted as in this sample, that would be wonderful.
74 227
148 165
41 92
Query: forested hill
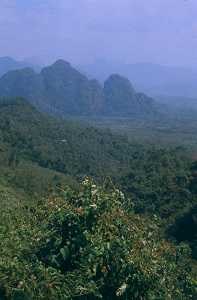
29 137
62 90
111 245
9 64
64 146
31 142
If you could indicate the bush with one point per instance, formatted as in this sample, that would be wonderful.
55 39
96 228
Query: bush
86 245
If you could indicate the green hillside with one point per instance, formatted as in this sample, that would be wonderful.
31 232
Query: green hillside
124 234
39 153
53 150
66 147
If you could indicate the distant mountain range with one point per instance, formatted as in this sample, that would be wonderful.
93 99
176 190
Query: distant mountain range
165 83
9 64
62 90
156 80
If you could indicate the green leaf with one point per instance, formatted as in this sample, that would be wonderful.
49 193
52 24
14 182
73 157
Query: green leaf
65 252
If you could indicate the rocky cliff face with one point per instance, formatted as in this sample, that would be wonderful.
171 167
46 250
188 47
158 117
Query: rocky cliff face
62 90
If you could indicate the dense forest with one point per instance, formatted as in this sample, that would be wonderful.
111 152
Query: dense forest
89 214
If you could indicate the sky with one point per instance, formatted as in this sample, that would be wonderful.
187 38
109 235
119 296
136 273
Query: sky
84 31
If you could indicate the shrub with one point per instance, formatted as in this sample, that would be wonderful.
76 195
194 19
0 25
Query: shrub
86 245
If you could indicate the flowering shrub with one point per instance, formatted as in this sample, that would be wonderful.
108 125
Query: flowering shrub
86 245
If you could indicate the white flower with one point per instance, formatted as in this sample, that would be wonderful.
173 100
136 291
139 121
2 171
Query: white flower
93 206
86 182
94 192
121 290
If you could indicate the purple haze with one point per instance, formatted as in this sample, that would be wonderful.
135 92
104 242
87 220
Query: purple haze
82 31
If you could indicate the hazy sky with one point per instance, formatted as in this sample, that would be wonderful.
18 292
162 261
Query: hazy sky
158 31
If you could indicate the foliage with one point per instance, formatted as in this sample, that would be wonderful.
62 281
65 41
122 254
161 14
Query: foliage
87 242
185 229
86 245
160 183
38 152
